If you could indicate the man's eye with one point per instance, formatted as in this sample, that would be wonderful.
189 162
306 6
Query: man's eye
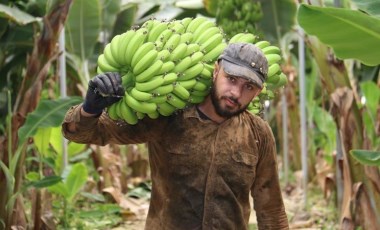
249 87
230 78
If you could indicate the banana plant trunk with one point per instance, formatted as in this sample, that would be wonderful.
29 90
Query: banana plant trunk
38 65
361 198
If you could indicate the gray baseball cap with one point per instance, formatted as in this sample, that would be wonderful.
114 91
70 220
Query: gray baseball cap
245 60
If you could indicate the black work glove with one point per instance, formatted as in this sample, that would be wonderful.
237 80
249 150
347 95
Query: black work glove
103 90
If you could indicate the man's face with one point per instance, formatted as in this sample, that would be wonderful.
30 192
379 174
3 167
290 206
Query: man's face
231 95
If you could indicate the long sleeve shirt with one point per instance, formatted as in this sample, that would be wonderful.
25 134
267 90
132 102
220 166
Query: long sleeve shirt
202 172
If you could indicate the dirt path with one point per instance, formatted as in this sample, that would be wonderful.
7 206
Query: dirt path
319 213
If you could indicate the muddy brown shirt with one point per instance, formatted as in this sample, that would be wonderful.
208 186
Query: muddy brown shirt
202 172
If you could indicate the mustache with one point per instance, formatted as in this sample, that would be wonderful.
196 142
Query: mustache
232 99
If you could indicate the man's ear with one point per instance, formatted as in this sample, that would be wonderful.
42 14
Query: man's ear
216 70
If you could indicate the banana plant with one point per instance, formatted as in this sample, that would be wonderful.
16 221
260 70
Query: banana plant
48 114
333 49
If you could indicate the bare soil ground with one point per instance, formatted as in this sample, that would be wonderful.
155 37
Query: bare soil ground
315 212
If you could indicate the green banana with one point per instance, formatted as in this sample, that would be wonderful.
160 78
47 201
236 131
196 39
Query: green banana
139 95
282 81
162 90
191 48
182 65
206 73
262 44
186 37
247 38
212 42
273 58
166 67
235 38
181 91
115 46
145 62
207 34
140 115
178 52
104 66
186 21
136 41
194 99
200 93
111 111
163 55
151 70
153 83
273 69
202 27
139 106
109 57
123 45
271 50
165 109
273 79
212 55
127 113
178 27
127 80
200 86
158 99
172 42
196 57
149 24
165 35
191 72
188 84
175 101
170 78
141 52
156 31
195 23
153 115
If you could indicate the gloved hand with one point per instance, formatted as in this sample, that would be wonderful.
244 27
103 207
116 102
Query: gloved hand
103 90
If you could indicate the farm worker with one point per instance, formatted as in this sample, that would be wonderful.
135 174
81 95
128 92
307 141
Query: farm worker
205 160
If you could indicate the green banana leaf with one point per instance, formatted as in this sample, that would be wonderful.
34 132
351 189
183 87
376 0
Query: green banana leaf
16 15
372 7
125 19
109 13
366 157
75 177
49 113
371 92
352 34
82 27
279 18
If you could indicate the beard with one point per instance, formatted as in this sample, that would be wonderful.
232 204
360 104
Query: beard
225 112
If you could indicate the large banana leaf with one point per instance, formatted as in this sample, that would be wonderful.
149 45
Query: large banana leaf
352 34
16 15
49 113
366 157
279 18
82 27
372 7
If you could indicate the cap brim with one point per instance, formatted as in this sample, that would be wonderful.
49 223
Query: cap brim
241 71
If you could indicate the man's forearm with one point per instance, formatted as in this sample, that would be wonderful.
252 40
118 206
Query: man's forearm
71 126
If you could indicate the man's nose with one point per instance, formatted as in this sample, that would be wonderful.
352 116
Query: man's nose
236 91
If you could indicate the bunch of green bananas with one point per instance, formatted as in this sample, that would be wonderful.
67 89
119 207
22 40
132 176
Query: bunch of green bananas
168 65
275 78
165 66
236 16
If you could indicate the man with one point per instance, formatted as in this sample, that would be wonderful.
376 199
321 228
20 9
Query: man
205 160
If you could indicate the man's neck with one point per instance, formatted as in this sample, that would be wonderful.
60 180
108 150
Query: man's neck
208 109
